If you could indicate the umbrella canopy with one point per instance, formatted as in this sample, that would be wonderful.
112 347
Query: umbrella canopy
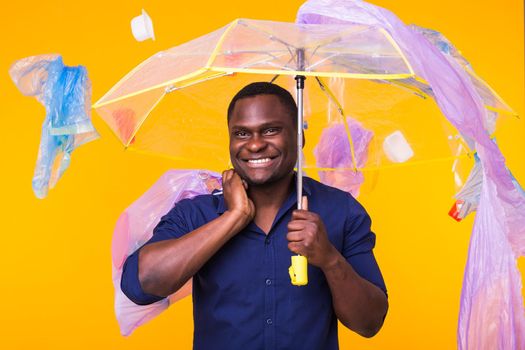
175 103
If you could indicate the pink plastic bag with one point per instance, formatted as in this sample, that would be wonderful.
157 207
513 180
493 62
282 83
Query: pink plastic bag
135 227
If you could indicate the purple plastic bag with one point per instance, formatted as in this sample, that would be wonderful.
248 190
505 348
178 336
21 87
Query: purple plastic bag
491 313
135 227
333 151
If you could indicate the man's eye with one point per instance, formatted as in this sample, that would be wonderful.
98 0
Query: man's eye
272 131
240 133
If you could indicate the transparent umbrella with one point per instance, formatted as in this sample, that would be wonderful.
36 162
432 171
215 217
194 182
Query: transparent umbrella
360 110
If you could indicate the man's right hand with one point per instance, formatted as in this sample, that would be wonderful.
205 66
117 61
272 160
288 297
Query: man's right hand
235 196
165 266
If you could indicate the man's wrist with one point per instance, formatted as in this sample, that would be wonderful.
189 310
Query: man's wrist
240 218
332 260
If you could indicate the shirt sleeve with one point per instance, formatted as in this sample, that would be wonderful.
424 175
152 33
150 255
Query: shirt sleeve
359 243
171 225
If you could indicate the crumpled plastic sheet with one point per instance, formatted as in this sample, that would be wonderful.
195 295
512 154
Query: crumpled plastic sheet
66 94
470 193
333 151
491 313
135 227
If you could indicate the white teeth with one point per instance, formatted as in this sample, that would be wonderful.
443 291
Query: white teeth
259 161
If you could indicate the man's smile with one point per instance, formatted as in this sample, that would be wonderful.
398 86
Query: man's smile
259 162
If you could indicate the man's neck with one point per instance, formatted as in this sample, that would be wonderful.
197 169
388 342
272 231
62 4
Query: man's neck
273 194
268 199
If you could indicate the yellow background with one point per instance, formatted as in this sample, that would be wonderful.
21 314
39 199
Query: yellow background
56 290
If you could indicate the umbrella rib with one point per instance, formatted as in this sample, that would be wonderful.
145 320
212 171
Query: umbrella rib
350 66
286 65
339 37
407 87
281 67
322 61
256 51
273 38
144 119
174 87
311 74
332 98
314 51
270 35
396 46
266 60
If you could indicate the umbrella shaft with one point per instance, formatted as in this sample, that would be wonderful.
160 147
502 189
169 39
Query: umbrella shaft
299 91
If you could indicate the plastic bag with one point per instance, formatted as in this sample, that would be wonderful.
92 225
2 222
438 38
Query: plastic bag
491 282
135 227
333 151
467 199
491 313
66 94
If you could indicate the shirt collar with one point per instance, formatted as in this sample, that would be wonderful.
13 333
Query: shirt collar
221 205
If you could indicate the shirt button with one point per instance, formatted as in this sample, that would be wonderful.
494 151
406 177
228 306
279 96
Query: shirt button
269 321
267 241
268 281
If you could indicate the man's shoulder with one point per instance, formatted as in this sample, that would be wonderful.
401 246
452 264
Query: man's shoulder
196 211
200 202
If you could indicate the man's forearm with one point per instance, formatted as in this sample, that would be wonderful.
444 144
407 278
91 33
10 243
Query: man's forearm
165 266
359 305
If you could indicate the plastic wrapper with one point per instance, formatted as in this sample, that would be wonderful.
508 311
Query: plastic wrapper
66 94
491 313
333 151
135 227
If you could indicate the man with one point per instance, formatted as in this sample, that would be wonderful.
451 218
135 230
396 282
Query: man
237 245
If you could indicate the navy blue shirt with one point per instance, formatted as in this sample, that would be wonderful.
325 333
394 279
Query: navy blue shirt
242 297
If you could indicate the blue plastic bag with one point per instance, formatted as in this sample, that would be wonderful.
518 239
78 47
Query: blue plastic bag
66 94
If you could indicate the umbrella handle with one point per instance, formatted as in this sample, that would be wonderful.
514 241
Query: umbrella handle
299 270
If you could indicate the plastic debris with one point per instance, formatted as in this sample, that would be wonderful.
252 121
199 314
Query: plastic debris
396 147
142 27
333 151
135 227
467 199
454 212
66 94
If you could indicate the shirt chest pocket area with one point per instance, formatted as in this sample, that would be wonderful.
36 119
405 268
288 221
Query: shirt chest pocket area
234 268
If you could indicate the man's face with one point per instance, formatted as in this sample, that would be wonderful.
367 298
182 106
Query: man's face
263 140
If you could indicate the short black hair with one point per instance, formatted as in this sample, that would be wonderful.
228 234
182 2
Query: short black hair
265 88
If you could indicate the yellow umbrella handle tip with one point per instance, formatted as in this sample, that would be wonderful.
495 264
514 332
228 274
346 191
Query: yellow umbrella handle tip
299 270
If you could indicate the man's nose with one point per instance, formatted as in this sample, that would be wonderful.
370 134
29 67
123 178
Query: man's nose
257 143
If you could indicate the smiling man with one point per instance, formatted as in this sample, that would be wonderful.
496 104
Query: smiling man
237 245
